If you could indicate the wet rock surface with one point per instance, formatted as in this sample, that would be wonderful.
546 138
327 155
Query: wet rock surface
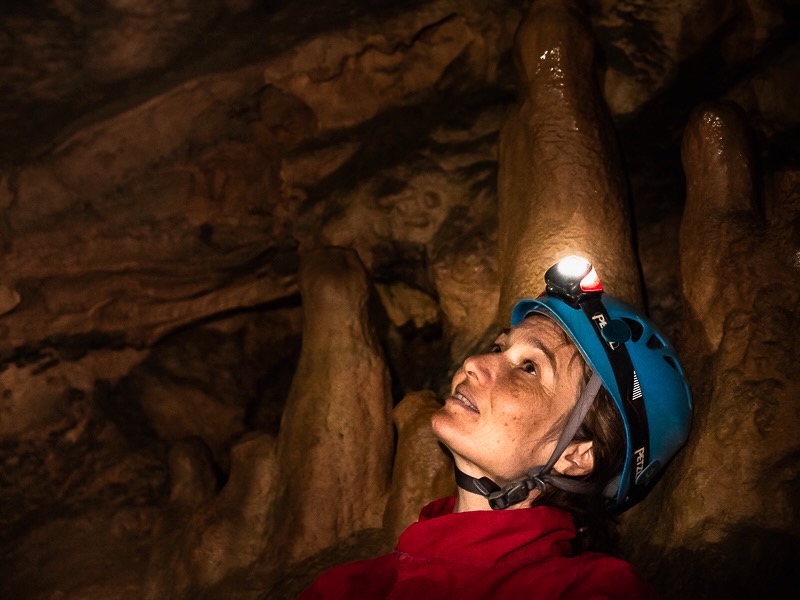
164 165
740 339
560 179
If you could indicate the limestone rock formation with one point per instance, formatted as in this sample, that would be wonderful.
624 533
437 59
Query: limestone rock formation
134 37
560 187
422 471
649 43
405 304
192 478
165 163
224 536
337 414
740 279
347 79
94 274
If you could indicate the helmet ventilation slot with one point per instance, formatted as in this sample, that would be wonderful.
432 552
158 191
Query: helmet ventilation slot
636 328
655 343
671 363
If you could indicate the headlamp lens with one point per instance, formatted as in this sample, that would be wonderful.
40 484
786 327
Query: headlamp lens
572 278
573 267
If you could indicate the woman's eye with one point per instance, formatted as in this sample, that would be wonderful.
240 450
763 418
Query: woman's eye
529 367
495 348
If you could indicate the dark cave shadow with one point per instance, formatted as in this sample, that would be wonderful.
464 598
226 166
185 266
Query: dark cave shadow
751 562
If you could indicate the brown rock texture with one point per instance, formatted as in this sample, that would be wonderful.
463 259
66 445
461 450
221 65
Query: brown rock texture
668 33
735 486
560 187
165 164
422 469
224 536
113 283
347 80
337 414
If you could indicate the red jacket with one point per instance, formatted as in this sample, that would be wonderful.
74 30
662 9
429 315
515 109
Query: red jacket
485 554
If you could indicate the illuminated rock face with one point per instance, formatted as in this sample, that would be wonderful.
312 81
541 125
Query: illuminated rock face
561 188
174 175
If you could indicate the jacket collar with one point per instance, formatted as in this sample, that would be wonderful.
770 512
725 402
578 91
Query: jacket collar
488 537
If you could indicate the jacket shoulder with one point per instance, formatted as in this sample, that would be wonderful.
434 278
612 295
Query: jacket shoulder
602 576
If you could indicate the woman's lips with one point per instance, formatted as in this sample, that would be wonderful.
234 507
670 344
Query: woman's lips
461 396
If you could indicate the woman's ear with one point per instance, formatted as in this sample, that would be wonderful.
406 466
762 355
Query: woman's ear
577 459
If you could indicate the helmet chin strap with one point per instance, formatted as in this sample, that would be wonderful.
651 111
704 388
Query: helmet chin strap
538 477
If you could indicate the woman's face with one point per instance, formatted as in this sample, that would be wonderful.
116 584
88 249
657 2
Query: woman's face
506 407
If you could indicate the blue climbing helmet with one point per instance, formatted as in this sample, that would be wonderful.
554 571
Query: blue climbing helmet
632 361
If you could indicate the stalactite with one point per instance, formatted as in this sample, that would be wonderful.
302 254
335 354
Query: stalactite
561 188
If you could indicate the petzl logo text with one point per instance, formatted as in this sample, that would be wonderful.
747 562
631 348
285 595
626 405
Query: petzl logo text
639 454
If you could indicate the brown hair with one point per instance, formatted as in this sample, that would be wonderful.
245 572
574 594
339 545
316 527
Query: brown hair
594 522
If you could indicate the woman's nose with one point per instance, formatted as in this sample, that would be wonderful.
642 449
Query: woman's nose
478 368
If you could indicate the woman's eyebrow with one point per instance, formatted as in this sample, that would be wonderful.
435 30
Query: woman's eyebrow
549 354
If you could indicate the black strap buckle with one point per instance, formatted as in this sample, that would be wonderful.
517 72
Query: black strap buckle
486 486
510 495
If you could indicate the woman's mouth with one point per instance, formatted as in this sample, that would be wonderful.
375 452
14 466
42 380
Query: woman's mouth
464 399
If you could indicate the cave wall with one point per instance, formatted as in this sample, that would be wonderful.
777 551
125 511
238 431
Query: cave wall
189 371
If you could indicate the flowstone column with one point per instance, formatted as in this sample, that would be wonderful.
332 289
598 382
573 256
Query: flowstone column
725 515
422 471
336 438
561 188
205 541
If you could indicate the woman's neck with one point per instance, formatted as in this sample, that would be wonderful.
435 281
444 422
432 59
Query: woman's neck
469 501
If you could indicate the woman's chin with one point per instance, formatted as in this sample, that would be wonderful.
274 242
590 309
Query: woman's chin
451 431
439 421
446 427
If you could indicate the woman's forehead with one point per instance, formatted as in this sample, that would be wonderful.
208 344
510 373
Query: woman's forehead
539 330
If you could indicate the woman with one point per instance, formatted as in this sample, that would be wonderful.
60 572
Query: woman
568 417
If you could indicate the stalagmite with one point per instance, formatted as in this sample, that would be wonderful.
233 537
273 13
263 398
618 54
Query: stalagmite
422 471
336 433
728 500
191 471
223 537
720 210
561 189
